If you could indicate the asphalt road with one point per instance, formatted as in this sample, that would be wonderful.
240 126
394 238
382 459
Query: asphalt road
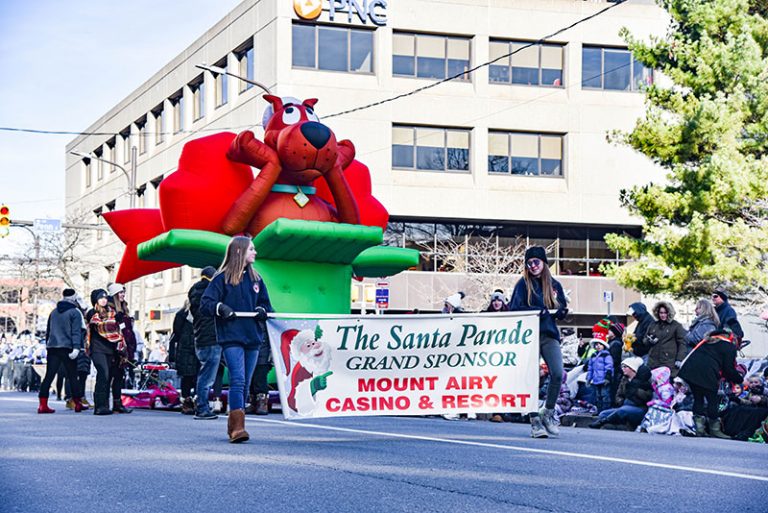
154 461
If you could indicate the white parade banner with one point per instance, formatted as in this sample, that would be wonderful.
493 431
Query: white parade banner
334 366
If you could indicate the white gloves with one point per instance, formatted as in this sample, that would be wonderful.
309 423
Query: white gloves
73 354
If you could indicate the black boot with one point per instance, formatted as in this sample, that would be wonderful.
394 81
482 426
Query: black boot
600 422
117 407
101 405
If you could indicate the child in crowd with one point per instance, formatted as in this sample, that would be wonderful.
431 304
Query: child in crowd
755 394
663 392
600 370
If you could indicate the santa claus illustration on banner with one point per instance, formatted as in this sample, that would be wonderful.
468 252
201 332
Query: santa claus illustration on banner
309 374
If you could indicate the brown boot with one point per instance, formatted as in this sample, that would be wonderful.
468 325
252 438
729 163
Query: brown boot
236 427
716 429
262 404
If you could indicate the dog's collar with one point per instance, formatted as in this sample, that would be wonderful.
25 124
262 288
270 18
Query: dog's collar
294 189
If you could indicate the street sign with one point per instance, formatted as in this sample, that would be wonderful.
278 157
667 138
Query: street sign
607 296
382 299
47 225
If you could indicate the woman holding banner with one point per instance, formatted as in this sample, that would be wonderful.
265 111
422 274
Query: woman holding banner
238 288
537 290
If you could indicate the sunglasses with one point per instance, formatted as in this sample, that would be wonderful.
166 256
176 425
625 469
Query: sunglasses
533 262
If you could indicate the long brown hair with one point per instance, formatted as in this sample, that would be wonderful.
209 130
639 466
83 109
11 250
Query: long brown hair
547 291
234 261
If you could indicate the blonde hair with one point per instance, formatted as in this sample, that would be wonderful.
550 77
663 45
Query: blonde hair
708 311
548 295
234 261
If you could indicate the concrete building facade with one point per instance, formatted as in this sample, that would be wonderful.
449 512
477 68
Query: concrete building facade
514 152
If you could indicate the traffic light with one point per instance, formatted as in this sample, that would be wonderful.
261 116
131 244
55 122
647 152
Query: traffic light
5 220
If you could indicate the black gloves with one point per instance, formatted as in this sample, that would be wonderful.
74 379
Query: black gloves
225 312
261 313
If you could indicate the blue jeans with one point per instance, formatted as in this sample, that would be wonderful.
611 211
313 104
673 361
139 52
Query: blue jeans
209 357
603 396
240 361
628 412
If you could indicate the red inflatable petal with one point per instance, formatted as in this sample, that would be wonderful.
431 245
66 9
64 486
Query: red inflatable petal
134 227
372 212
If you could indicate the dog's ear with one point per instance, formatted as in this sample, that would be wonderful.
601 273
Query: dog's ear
309 102
275 101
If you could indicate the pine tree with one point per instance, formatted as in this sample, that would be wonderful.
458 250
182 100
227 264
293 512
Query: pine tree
707 225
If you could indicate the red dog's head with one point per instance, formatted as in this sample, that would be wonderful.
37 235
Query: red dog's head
306 147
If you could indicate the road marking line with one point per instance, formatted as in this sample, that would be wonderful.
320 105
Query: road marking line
523 449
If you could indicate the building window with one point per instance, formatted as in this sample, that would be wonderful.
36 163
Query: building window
245 65
430 149
613 69
332 48
525 153
519 63
176 274
111 155
87 169
99 154
424 56
125 138
159 114
221 85
141 127
177 104
198 98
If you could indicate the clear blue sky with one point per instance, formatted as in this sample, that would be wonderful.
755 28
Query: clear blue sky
64 64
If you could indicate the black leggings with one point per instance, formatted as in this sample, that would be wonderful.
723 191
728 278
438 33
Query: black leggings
699 395
187 384
58 356
109 375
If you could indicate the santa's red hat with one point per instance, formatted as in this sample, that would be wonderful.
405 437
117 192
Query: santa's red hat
285 347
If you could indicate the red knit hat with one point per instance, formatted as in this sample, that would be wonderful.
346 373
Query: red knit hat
602 326
599 337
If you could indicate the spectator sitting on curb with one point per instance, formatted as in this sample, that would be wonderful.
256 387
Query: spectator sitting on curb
634 393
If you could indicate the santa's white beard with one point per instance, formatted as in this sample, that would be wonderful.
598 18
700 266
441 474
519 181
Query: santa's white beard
316 364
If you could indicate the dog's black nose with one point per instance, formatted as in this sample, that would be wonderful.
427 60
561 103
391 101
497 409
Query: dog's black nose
316 133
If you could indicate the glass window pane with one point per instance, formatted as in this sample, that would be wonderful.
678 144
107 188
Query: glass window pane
525 145
458 150
458 49
498 164
458 139
403 65
402 156
332 49
404 44
525 166
591 67
303 37
499 71
430 150
431 46
551 167
525 64
361 56
617 71
552 65
498 144
430 62
641 76
402 135
551 147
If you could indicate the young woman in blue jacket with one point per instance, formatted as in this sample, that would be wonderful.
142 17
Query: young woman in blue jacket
238 288
537 290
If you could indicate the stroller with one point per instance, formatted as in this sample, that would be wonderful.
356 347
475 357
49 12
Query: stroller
155 391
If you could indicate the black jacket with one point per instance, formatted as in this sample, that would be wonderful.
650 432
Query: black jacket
181 347
728 319
638 390
204 326
65 327
704 365
547 325
644 321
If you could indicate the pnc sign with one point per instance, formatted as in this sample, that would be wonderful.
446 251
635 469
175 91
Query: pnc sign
365 10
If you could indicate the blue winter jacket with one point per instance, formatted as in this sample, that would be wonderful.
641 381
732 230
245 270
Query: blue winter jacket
728 319
244 297
547 325
600 371
700 328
